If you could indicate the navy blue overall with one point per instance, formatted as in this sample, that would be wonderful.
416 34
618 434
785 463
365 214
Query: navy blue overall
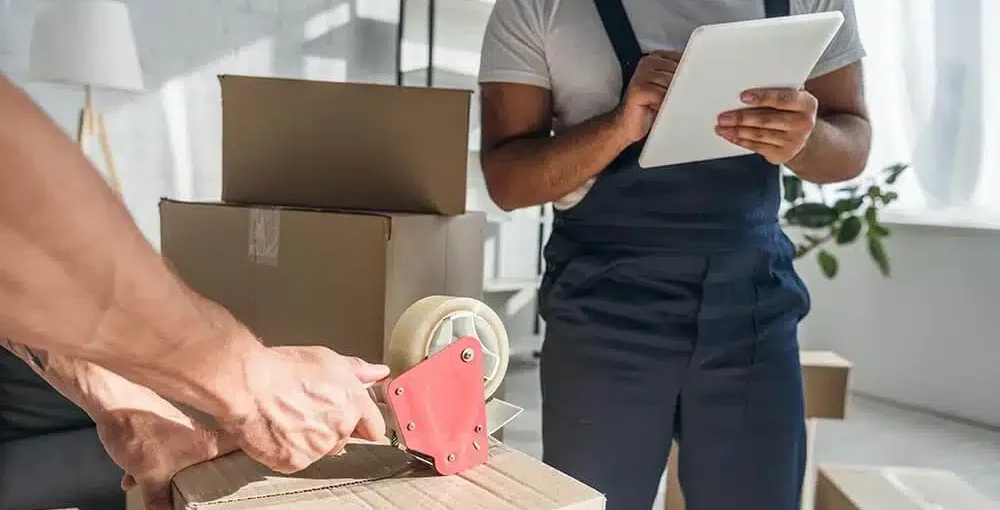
671 308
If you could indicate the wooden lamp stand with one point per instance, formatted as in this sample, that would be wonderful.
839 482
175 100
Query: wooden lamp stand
92 124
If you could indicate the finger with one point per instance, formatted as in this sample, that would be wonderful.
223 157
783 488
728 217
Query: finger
657 66
782 99
371 424
339 447
667 54
752 134
367 372
224 442
767 118
770 152
128 482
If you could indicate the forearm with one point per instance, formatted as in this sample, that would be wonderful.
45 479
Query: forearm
536 170
837 149
93 388
78 279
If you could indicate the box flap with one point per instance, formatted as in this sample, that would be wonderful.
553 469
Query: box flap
896 488
823 359
377 476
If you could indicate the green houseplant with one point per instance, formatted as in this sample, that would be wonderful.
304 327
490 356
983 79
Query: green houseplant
852 216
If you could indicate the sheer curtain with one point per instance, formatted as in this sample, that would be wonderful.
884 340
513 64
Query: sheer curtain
929 79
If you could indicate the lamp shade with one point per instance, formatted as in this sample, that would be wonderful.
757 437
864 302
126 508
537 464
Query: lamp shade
85 42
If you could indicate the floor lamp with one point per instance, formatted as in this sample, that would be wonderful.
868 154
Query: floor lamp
87 43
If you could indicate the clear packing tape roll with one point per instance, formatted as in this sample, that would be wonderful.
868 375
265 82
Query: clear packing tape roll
435 322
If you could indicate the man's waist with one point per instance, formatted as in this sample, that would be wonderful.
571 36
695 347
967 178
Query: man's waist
690 233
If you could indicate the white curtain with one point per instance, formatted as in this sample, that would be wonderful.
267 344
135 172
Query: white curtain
931 87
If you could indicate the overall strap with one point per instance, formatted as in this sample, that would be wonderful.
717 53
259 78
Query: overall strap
777 8
622 37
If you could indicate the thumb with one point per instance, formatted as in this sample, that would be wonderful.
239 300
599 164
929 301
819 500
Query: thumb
128 481
367 372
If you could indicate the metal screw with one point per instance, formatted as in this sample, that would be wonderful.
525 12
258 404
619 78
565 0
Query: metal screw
411 426
399 391
451 458
475 444
479 428
467 355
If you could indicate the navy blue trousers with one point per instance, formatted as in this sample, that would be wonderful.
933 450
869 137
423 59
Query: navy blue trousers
641 348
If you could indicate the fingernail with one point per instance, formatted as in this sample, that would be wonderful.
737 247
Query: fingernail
749 97
727 119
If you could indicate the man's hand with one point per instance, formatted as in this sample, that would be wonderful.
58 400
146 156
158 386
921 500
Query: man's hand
308 402
152 441
645 93
776 125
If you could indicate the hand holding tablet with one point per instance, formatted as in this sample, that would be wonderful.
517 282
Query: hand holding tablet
704 115
775 124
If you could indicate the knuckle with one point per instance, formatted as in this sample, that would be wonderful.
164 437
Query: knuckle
785 96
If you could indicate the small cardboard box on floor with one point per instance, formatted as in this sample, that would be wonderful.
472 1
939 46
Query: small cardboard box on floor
825 380
300 276
895 488
344 145
378 477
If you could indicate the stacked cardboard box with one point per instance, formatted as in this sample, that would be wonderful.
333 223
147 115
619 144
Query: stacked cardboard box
825 377
342 205
895 488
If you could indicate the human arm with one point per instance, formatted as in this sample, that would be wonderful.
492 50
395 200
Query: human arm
524 165
821 133
79 280
147 436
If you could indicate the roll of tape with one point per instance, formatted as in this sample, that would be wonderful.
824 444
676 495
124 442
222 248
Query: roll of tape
435 322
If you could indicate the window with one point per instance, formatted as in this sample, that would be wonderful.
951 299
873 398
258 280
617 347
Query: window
929 78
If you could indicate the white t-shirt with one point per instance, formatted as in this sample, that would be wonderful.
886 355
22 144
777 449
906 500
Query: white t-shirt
561 45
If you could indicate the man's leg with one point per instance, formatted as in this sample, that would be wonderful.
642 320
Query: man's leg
617 345
742 412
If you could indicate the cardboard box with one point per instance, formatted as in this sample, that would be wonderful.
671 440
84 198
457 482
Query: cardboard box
314 277
895 488
344 145
380 477
825 380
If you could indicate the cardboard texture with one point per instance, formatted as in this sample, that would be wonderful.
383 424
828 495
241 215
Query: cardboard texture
825 381
316 277
344 145
380 477
895 488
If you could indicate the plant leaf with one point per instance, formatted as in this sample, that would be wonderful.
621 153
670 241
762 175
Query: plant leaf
877 251
871 215
811 215
875 191
893 172
889 197
848 204
878 230
793 188
849 230
828 263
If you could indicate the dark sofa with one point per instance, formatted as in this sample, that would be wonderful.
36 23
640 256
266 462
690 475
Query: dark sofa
50 455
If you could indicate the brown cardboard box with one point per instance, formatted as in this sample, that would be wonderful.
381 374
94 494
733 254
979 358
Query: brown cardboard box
894 488
380 477
344 145
825 380
308 277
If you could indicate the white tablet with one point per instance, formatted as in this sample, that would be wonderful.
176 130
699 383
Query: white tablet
718 64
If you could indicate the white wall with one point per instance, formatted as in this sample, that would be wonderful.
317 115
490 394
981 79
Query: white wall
166 141
930 335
